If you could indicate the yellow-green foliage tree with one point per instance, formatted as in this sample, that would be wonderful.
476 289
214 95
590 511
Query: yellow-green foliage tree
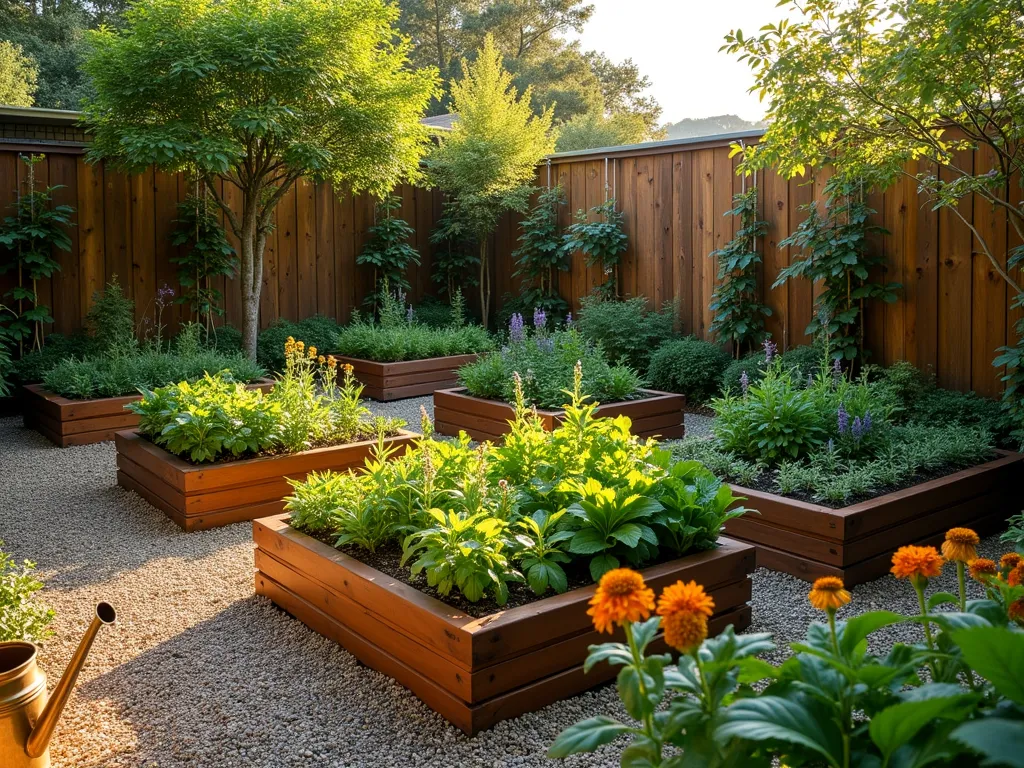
488 161
256 93
17 76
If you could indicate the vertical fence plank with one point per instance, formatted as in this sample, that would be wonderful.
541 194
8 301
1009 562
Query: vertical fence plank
270 310
988 305
67 299
703 238
682 216
920 292
344 269
92 254
325 283
143 257
663 211
801 299
776 258
305 249
900 246
626 187
117 229
288 256
954 368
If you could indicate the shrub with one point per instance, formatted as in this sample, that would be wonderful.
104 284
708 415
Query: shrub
585 498
626 330
22 616
409 341
544 362
111 319
690 366
833 702
317 331
806 359
225 338
217 417
33 367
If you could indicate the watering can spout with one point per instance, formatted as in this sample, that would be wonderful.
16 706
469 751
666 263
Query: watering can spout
43 728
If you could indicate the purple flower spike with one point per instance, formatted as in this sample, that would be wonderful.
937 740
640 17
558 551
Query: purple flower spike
837 369
540 318
843 420
857 430
164 295
516 331
568 320
410 313
770 348
744 382
867 422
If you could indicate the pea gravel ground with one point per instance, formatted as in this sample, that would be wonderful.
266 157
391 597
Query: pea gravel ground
200 672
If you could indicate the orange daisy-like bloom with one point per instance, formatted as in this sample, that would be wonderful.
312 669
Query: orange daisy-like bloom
828 593
622 596
349 369
1009 560
321 359
981 568
960 545
300 346
685 609
332 361
1016 609
1016 576
915 563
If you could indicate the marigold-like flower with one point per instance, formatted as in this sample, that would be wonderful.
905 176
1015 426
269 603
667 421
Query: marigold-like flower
332 362
312 352
348 368
321 359
981 568
960 545
300 345
1016 576
914 563
621 596
828 593
1009 561
1016 610
685 609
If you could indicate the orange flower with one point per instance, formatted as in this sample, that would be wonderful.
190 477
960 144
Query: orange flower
960 545
828 593
982 568
685 609
321 359
1016 576
916 563
621 597
300 345
1009 561
1016 610
348 368
332 362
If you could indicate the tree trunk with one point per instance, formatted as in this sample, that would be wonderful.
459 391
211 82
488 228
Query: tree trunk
485 288
253 240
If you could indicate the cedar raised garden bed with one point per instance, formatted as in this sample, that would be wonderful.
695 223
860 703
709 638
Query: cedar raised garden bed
68 422
474 672
657 414
856 542
409 378
199 496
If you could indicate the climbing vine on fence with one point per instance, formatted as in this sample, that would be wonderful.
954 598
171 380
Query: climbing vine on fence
208 255
835 249
542 254
601 241
738 314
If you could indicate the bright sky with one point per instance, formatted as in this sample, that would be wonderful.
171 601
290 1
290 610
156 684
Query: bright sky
675 43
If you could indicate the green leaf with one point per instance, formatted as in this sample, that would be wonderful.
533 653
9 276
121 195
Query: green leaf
942 598
628 684
997 654
586 736
998 740
776 718
897 725
601 564
859 627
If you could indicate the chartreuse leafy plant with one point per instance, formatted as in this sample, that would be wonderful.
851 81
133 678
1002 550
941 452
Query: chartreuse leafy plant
22 615
832 702
487 162
249 95
545 508
218 418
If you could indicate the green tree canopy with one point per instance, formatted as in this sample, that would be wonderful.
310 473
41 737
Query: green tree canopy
258 93
488 161
17 76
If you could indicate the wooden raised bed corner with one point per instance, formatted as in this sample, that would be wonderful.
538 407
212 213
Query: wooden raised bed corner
856 542
199 496
474 672
409 378
657 414
68 422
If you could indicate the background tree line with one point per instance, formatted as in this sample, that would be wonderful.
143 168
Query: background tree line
595 101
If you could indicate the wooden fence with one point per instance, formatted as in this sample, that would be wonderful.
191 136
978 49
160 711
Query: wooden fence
951 315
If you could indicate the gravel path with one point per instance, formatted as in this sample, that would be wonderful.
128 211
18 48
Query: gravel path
199 672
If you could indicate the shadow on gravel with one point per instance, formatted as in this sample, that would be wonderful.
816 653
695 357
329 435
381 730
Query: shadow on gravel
62 508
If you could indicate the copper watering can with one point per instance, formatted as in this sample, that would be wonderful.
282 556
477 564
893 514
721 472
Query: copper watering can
27 717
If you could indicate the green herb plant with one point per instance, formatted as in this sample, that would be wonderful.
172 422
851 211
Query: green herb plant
22 615
600 237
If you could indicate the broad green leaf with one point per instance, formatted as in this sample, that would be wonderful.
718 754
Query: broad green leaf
773 717
859 627
997 654
998 740
586 736
895 726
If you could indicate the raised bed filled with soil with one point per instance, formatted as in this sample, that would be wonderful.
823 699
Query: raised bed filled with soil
409 378
856 542
199 496
475 672
655 414
68 422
